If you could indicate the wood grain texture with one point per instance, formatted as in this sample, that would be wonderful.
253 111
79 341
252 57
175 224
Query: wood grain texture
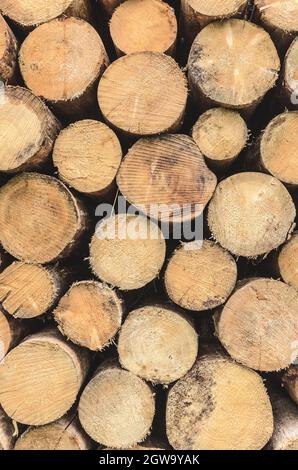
8 53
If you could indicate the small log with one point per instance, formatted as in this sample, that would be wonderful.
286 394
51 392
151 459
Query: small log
219 405
136 96
232 64
87 155
41 378
103 415
28 290
70 45
258 324
157 343
144 25
287 261
28 130
220 134
280 19
11 332
166 173
64 434
127 251
290 77
262 215
200 278
290 380
28 14
7 432
8 53
89 314
40 219
285 435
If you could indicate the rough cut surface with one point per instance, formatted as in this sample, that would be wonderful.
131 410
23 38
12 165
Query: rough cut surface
288 261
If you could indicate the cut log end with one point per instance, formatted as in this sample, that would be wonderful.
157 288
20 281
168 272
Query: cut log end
233 64
103 415
200 279
288 262
290 76
166 173
221 135
258 325
127 251
144 25
11 332
28 130
290 381
136 96
242 200
158 344
8 53
89 314
7 431
40 379
87 155
285 435
209 408
40 219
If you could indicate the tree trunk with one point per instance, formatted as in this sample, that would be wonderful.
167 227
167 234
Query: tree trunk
8 54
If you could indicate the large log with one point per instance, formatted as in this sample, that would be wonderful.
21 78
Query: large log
103 415
157 343
90 314
232 64
41 378
285 435
144 25
7 432
290 378
40 219
87 155
136 96
219 405
258 324
8 53
251 214
72 46
287 261
28 130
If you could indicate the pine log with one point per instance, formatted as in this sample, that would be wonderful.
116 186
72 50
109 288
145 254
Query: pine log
290 77
220 134
87 155
166 173
144 25
28 290
7 432
258 324
8 53
251 214
136 96
290 380
127 251
219 405
285 435
200 278
41 378
11 332
157 343
28 130
196 14
64 434
103 415
89 314
280 19
40 219
287 261
232 64
69 45
29 13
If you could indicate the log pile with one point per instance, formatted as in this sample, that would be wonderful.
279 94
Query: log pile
148 198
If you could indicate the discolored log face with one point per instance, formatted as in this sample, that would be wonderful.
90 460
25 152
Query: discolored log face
288 261
87 155
136 96
166 173
28 130
200 279
89 314
158 344
127 251
144 25
232 64
103 415
209 408
40 219
290 382
8 53
258 325
251 214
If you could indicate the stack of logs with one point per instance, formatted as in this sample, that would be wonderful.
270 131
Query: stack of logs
148 341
